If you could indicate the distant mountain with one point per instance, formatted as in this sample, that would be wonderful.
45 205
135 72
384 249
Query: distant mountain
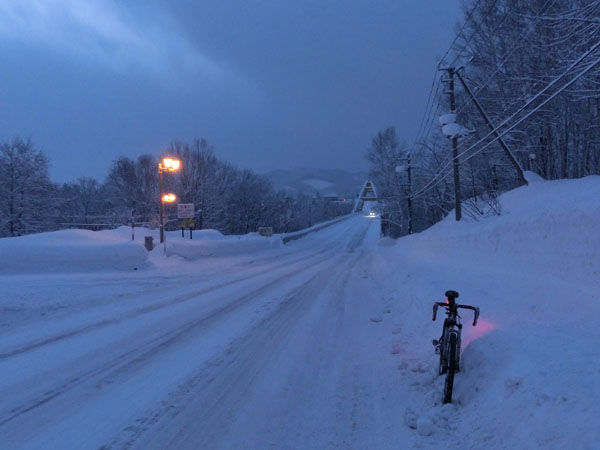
324 181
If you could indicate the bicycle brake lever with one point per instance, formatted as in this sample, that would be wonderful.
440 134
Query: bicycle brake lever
435 307
476 316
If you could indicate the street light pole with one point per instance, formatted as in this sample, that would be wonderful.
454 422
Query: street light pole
167 165
162 205
167 198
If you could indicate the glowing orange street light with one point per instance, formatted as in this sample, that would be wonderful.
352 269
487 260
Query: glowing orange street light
167 165
169 198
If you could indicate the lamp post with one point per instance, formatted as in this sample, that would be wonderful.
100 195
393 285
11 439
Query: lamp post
167 198
167 165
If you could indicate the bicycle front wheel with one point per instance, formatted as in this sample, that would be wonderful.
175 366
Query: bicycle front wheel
452 363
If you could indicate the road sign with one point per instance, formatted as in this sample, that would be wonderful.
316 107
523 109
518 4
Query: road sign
186 223
185 210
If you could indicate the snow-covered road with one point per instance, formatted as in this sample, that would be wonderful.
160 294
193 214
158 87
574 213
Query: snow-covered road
271 351
239 342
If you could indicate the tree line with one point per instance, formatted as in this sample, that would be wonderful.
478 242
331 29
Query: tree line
534 67
226 198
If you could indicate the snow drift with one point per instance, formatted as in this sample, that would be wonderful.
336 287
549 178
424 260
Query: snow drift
354 346
530 368
70 251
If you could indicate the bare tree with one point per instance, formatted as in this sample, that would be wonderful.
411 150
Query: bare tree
26 193
384 155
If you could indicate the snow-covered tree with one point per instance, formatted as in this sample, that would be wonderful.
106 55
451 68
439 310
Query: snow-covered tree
27 197
385 155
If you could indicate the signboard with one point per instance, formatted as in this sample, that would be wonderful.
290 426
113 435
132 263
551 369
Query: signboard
185 223
185 210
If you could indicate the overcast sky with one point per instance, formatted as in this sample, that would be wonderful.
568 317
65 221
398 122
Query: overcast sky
271 84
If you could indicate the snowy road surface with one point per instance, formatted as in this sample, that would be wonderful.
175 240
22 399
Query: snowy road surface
276 351
325 343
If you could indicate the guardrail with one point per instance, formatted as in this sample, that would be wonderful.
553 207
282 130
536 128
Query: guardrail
300 234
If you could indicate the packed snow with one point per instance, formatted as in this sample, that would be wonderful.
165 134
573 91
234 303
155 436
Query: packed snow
324 342
452 130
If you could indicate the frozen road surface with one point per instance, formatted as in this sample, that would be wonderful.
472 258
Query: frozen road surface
275 349
324 343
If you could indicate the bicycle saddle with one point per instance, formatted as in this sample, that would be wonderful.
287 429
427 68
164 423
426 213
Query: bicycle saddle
451 294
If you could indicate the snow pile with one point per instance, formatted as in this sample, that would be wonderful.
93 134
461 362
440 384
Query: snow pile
323 343
71 251
530 369
74 251
213 243
549 227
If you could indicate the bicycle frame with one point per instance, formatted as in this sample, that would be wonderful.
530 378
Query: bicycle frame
449 344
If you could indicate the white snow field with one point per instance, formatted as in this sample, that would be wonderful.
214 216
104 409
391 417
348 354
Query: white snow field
324 343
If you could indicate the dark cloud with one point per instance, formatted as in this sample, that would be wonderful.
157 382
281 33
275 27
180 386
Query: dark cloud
271 84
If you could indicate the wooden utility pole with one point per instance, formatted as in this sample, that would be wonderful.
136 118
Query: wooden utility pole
457 199
408 195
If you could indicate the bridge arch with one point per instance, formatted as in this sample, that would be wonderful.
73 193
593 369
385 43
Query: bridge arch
368 193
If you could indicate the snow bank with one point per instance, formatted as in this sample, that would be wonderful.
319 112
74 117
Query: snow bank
74 251
213 243
548 226
71 251
530 369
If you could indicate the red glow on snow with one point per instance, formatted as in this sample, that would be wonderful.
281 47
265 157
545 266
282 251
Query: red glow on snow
483 327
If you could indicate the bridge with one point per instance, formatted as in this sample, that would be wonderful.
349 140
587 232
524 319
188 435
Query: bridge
368 193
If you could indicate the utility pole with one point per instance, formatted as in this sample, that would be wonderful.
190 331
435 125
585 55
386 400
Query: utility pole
408 194
457 199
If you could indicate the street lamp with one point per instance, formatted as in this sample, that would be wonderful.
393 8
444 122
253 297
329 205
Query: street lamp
167 165
167 198
171 164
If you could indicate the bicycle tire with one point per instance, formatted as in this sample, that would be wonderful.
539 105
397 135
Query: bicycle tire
443 364
449 384
443 367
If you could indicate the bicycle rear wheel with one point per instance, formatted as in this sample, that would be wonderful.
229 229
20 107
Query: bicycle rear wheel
452 349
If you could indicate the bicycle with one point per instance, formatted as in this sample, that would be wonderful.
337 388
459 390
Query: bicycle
448 346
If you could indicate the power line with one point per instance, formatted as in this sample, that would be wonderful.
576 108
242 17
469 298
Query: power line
510 51
427 106
426 124
532 99
535 97
477 30
583 72
430 118
459 33
432 183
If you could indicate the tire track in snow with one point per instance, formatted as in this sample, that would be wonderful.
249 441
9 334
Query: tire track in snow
135 358
228 378
146 310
